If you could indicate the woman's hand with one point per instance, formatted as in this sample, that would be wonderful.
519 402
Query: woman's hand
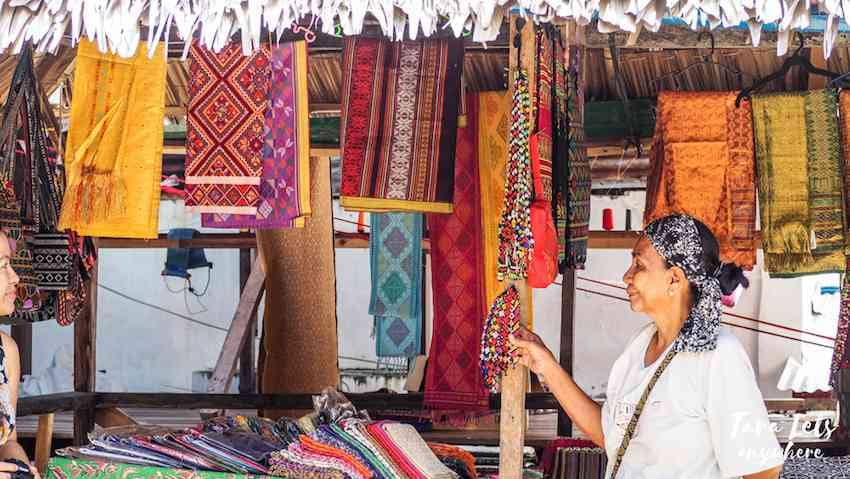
532 352
9 468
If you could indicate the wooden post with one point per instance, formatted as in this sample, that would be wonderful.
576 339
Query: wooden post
568 303
512 419
247 368
238 331
85 359
43 442
22 334
575 52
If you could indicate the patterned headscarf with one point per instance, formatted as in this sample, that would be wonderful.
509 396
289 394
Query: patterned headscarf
677 240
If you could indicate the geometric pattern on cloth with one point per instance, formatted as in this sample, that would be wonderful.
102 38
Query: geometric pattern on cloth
494 120
841 351
453 382
703 166
228 100
52 261
560 150
285 183
844 130
816 468
395 248
800 175
62 468
28 296
578 193
399 124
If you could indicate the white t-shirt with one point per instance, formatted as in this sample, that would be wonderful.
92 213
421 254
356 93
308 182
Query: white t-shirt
705 418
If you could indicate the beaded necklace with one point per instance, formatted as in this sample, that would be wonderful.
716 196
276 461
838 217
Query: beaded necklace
497 354
515 239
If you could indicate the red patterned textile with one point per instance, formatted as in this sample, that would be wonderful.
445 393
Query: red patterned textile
453 382
399 124
543 267
228 99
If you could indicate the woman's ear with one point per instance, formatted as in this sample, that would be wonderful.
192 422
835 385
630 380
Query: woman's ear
677 279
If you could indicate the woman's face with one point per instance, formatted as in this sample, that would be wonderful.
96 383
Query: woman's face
648 279
8 278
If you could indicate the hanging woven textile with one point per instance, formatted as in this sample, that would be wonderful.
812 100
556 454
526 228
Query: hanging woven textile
494 120
841 351
560 149
516 243
498 356
285 181
703 165
113 158
543 266
228 100
395 247
452 383
578 191
800 178
399 121
299 349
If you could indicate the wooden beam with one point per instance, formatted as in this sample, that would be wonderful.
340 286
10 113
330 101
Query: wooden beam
58 402
677 37
225 367
112 417
44 441
247 366
22 334
85 359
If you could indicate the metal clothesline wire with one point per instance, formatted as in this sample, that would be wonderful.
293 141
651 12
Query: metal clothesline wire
727 313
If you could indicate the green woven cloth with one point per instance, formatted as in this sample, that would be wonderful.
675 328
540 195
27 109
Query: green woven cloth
800 176
62 468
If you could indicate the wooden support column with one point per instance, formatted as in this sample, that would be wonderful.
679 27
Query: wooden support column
247 367
85 359
512 419
22 334
44 441
575 61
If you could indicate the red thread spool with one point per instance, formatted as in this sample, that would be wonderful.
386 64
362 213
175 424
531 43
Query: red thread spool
607 219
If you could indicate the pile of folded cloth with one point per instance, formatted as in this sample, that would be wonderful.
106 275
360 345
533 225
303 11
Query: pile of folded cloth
348 448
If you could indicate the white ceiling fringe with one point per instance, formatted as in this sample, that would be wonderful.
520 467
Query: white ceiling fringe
115 25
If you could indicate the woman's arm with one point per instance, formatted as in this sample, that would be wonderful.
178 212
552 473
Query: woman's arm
584 411
12 448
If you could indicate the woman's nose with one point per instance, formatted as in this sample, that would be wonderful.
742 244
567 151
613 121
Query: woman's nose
627 276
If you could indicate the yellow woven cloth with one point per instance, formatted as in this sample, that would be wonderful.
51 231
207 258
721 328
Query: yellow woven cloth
800 177
494 120
702 165
299 346
844 130
113 158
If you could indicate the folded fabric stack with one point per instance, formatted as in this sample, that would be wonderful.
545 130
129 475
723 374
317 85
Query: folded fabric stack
456 459
351 448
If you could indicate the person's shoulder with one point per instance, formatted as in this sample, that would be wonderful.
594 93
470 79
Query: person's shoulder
9 344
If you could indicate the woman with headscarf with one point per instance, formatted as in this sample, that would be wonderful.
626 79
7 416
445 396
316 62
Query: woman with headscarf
13 459
682 399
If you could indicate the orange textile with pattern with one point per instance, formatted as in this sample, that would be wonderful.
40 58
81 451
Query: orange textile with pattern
703 164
